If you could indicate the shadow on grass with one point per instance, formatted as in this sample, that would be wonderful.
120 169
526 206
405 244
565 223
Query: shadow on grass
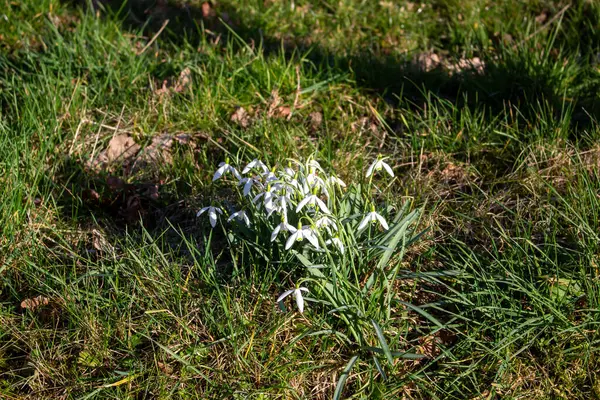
513 81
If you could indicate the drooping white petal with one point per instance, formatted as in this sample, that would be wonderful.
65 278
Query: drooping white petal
275 232
219 172
303 203
202 211
293 237
321 205
381 221
248 186
246 219
212 216
235 172
339 244
311 237
250 165
363 224
257 197
372 168
299 300
285 294
388 168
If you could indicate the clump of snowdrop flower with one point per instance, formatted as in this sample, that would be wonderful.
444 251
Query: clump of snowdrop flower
298 215
304 208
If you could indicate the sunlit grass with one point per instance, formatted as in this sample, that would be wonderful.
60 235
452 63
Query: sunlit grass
112 288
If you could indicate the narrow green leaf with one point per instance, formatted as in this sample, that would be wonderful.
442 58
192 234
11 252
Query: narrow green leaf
384 345
423 313
396 354
339 388
379 368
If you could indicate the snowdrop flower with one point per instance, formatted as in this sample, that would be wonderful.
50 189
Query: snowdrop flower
212 214
315 182
372 217
313 164
267 195
297 294
303 232
248 182
281 205
378 165
337 242
313 200
269 176
224 167
289 172
334 180
240 215
326 222
253 164
283 226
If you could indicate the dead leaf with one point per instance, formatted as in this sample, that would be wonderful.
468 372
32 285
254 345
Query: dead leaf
115 183
164 88
429 346
34 303
427 61
540 19
241 117
207 10
282 112
184 80
133 209
183 138
121 148
159 150
274 102
152 192
316 119
90 195
100 243
474 64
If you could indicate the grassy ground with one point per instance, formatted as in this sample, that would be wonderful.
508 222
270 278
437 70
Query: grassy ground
488 110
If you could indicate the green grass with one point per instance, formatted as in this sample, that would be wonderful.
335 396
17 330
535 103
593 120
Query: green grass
502 294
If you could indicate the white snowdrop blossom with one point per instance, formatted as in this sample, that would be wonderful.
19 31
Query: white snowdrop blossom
241 216
373 216
212 214
303 232
312 200
337 242
268 195
334 180
326 222
289 172
224 167
297 293
254 164
248 183
378 165
282 227
314 164
269 176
